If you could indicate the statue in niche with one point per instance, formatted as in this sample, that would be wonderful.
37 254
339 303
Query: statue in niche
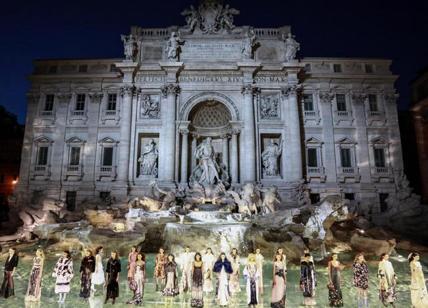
291 47
173 48
269 107
192 18
130 46
270 157
207 171
248 44
150 107
226 18
149 159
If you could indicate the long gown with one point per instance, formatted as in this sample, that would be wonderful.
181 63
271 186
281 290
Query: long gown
87 267
418 289
64 273
113 269
251 274
387 282
139 279
259 261
132 258
186 261
34 289
334 289
8 287
361 281
234 277
197 285
308 281
159 272
171 285
223 270
208 260
279 285
98 276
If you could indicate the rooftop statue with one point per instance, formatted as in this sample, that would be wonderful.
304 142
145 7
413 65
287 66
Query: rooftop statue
291 47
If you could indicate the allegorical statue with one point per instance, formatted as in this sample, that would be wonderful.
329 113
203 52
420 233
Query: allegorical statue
173 48
149 159
291 47
192 18
226 18
130 46
206 172
270 158
248 44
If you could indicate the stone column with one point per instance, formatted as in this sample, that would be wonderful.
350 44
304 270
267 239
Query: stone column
225 144
362 149
234 156
248 140
184 131
167 151
125 134
294 141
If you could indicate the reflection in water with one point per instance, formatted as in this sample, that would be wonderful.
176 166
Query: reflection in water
155 299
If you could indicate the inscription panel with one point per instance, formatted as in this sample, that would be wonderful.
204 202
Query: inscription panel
211 51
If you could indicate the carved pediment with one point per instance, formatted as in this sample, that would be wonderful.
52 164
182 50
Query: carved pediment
43 139
108 140
313 140
75 140
378 140
345 140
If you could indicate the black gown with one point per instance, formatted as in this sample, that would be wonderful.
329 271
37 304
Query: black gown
113 269
7 287
87 267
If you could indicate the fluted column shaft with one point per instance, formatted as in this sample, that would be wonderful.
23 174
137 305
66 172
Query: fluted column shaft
248 140
234 157
125 134
184 154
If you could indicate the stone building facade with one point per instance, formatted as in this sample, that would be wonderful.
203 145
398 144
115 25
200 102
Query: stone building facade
112 126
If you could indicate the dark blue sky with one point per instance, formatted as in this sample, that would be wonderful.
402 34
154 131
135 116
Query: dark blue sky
396 30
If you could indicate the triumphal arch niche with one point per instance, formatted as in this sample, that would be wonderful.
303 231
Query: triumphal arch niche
217 103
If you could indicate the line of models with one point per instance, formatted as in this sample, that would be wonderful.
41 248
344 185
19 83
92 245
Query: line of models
199 271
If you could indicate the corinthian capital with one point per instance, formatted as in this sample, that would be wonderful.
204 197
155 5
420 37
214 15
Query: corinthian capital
390 98
359 98
63 97
170 89
290 90
127 90
249 89
326 96
96 97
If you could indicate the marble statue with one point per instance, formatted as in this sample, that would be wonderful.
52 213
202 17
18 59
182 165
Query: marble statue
149 159
207 170
226 18
248 201
52 211
165 199
248 45
173 48
192 18
270 157
150 108
271 199
130 46
291 47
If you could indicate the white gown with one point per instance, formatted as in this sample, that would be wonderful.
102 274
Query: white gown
223 288
208 260
97 277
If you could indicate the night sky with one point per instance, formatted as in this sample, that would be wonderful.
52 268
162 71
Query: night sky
396 30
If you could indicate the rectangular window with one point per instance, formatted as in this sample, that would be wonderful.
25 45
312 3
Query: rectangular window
42 156
70 200
373 102
308 102
80 102
350 196
111 104
345 158
83 68
75 156
49 102
53 69
108 156
113 68
315 198
382 202
337 68
341 102
368 68
379 156
307 67
312 157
